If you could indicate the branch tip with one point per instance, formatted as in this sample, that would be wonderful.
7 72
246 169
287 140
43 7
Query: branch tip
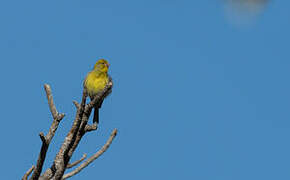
46 86
92 127
77 162
76 104
42 137
28 173
61 116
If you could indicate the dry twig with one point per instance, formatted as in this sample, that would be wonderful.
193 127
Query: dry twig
46 139
28 173
94 157
76 162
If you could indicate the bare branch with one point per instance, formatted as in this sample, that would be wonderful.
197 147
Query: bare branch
76 162
42 137
28 173
94 157
60 116
46 139
78 129
61 159
76 104
80 134
92 127
50 101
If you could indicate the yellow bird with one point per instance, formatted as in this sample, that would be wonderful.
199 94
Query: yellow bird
96 81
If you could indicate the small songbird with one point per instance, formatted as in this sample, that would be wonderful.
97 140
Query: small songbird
96 81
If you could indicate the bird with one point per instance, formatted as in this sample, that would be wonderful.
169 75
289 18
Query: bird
96 81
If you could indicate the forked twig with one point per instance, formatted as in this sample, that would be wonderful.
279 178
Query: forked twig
28 173
46 139
92 158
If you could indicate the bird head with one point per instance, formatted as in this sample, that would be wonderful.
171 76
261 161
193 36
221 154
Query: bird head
102 65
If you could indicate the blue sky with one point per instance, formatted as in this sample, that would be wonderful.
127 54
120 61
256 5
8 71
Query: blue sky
197 95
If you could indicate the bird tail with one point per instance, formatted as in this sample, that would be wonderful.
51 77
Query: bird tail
96 115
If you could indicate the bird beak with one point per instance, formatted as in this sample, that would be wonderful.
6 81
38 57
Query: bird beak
108 65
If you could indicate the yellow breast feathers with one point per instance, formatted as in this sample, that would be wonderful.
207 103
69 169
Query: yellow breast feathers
97 79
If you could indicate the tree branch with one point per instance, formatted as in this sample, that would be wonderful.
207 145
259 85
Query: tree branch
79 128
46 139
61 160
52 107
76 162
94 157
92 127
42 137
76 104
28 173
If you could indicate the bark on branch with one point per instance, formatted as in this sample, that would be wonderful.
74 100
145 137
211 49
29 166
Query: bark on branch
76 162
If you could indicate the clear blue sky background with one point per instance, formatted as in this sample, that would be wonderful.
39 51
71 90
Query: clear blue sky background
195 97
